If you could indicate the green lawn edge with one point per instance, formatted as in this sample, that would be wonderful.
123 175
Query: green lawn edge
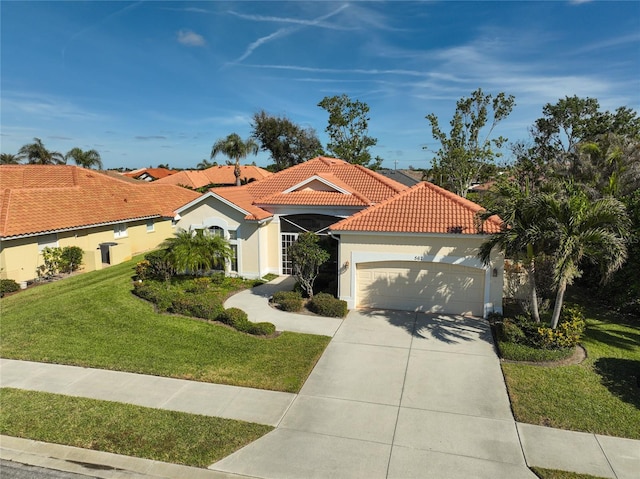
93 320
599 395
161 435
555 474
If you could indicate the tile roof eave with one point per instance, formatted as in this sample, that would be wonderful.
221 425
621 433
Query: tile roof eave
80 227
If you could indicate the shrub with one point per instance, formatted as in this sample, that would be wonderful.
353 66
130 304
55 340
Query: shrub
8 286
160 265
197 306
217 278
70 259
569 331
143 269
199 285
288 300
522 352
262 329
234 317
325 304
510 332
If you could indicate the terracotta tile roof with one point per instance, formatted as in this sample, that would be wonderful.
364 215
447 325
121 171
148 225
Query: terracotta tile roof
156 173
217 175
30 202
424 208
364 187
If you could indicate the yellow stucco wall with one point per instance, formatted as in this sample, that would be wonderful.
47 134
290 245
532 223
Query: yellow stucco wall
454 249
19 258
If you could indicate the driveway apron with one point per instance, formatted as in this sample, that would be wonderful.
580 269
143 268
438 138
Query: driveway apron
395 395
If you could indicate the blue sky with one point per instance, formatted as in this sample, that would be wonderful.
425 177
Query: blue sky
159 82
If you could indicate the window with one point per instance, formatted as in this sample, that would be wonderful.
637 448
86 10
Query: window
120 230
216 231
233 235
47 241
150 226
234 257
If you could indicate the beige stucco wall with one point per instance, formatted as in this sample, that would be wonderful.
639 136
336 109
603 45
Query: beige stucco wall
19 258
453 249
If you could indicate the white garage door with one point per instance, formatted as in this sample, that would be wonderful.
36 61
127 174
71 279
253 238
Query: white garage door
420 286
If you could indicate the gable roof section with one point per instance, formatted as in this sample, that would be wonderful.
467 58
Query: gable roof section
217 175
41 198
353 185
156 173
424 208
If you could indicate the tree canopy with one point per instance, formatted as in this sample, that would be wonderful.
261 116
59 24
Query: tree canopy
348 128
289 144
469 147
307 256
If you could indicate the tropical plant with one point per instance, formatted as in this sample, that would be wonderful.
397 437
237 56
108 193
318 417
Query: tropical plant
521 236
581 230
233 147
307 256
204 164
196 251
37 154
9 159
85 159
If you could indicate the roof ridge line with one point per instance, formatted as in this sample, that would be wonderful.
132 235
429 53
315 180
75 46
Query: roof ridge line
464 202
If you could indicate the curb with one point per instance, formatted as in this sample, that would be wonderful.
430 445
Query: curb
103 465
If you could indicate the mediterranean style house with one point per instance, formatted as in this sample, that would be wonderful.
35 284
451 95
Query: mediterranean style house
216 175
109 216
393 246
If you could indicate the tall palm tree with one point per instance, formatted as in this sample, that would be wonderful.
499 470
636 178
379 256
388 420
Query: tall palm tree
583 230
37 154
197 251
236 149
85 159
521 236
9 159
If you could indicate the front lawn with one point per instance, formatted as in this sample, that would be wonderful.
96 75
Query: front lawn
600 395
94 320
161 435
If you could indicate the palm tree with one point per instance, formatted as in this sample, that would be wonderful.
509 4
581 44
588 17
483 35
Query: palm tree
520 237
85 159
197 251
9 159
204 164
236 149
582 230
37 154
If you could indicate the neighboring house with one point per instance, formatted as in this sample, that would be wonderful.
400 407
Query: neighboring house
149 174
421 242
110 218
216 175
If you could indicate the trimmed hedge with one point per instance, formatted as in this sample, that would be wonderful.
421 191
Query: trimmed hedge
8 286
288 300
325 304
193 298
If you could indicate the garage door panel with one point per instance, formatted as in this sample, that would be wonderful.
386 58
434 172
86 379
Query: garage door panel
429 287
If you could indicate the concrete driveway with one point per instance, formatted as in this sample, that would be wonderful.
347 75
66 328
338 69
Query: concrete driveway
395 395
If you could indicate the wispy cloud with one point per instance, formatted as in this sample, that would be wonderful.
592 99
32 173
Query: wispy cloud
45 107
283 32
318 22
190 38
55 137
150 137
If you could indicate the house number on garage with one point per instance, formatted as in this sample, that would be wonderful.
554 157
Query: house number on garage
420 258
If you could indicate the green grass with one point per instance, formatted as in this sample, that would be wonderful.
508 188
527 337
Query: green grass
599 395
94 320
522 352
161 435
553 474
